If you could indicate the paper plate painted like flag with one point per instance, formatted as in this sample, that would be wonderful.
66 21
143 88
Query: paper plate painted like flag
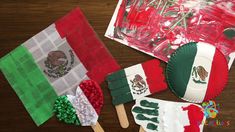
155 115
54 62
197 72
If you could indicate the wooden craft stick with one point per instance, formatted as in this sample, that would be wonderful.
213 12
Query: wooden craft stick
97 128
122 117
141 129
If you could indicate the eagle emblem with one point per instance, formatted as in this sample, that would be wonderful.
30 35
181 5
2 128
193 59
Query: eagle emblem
199 74
139 85
57 63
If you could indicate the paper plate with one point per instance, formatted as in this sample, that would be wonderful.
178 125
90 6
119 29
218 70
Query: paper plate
197 72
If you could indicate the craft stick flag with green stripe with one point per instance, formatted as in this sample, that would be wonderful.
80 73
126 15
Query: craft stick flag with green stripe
136 81
54 62
197 72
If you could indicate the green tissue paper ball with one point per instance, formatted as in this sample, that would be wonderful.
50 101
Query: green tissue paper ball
64 111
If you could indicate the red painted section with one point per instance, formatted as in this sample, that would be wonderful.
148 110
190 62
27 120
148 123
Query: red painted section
195 115
154 76
140 18
120 15
154 30
87 46
219 71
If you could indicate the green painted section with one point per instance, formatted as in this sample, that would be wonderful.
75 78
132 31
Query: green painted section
230 33
179 68
140 110
119 87
152 126
116 75
124 98
148 113
29 83
142 117
146 103
120 91
121 82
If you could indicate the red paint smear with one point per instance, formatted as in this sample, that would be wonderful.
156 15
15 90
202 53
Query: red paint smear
155 76
139 18
93 93
195 115
120 15
87 46
220 12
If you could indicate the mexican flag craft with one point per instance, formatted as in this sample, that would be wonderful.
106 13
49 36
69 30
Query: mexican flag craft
83 108
54 62
154 115
159 27
135 82
197 72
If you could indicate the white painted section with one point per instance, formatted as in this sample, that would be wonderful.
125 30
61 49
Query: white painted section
195 92
131 72
232 57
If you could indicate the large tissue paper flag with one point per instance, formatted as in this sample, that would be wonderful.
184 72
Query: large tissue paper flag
54 62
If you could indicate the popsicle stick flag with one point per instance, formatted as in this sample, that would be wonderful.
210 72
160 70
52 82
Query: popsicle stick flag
54 62
83 108
135 82
154 115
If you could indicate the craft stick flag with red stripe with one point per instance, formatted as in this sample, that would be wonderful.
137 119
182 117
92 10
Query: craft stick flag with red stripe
136 81
54 62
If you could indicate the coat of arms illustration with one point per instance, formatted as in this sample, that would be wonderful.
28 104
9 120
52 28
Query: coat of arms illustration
58 64
199 74
139 85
